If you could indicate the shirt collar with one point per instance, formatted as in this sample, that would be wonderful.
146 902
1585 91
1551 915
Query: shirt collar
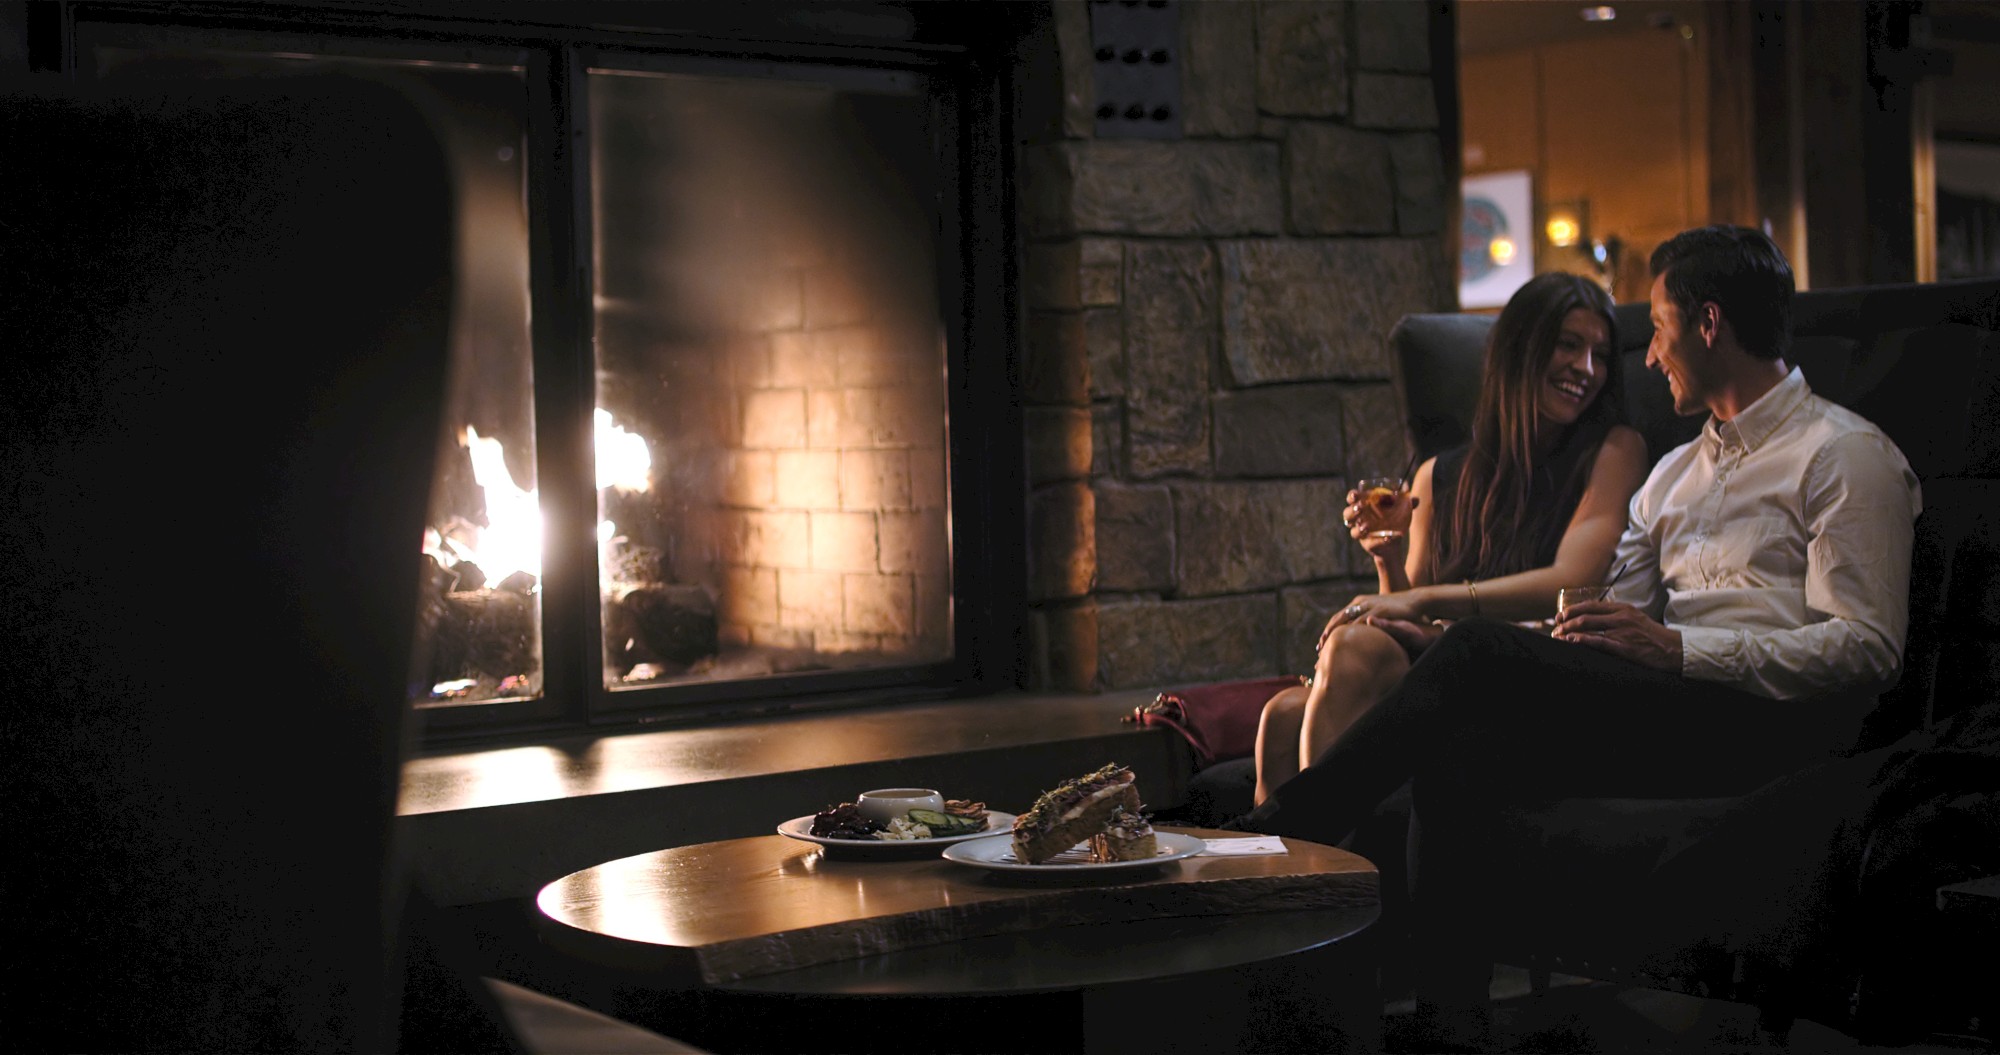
1760 419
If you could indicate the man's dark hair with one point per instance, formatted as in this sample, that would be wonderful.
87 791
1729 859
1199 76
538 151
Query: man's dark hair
1742 271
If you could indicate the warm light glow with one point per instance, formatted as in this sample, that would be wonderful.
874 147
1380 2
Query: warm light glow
512 540
1501 250
1563 231
1599 13
622 459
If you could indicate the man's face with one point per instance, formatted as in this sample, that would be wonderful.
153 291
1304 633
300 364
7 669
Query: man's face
1678 351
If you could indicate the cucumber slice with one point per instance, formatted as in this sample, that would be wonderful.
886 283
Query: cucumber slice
943 824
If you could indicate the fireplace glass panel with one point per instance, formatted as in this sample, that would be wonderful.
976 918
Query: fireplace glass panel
771 424
482 608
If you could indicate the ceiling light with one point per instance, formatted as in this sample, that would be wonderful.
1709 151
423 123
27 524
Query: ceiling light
1600 13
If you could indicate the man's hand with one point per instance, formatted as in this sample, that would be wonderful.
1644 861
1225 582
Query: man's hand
1623 631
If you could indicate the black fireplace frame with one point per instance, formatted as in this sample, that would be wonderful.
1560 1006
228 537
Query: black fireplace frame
969 50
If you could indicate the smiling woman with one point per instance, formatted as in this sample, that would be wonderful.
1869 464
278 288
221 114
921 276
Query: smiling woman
1535 502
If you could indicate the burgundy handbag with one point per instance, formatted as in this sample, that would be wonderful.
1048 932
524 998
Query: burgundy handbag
1218 720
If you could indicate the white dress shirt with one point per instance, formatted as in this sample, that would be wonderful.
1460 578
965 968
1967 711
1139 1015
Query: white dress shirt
1778 544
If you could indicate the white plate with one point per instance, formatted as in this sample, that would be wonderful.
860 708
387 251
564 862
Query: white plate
800 828
997 853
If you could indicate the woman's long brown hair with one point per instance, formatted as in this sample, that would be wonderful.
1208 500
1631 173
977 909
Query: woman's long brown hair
1492 527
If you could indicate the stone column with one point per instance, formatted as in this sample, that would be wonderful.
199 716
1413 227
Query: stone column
1207 323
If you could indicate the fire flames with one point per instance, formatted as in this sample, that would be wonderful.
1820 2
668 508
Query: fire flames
511 539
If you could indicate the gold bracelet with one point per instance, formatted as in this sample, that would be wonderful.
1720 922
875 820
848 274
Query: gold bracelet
1474 592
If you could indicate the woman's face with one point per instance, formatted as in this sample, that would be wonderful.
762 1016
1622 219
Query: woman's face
1576 372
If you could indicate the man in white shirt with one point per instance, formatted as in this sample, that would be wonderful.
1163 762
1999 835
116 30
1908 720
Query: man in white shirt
1760 605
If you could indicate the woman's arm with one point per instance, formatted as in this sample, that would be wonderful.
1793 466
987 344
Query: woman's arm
1415 570
1582 558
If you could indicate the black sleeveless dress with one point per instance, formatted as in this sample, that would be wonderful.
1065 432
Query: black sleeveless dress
1576 445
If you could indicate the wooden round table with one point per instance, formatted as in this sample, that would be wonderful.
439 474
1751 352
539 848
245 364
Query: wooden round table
1263 952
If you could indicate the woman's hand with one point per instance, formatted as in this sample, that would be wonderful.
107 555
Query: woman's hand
1372 606
1380 521
1622 630
1415 637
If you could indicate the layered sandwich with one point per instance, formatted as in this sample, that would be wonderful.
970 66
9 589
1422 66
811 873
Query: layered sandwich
1129 837
1074 812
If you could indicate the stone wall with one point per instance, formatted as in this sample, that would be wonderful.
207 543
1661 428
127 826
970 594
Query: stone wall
1206 367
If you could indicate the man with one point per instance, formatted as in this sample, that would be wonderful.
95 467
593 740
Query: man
1760 600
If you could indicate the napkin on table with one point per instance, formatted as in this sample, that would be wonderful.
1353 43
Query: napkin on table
1248 846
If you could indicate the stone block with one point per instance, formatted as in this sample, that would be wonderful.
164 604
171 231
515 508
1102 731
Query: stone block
1393 36
1062 543
1051 276
1290 430
1238 537
1058 366
770 538
1079 94
808 599
1067 647
1047 185
860 355
1151 643
798 638
1104 346
908 415
927 479
912 542
878 604
1302 62
1135 538
1173 287
750 478
1340 180
1058 443
774 418
1377 442
1101 272
1186 187
874 479
750 362
749 595
1322 309
1107 439
1166 402
828 423
1394 100
1219 74
808 479
844 542
1420 198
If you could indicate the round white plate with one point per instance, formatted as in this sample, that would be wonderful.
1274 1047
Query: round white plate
997 853
800 828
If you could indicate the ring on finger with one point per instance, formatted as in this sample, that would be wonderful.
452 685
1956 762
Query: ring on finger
1354 609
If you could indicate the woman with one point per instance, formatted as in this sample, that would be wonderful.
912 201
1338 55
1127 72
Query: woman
1534 502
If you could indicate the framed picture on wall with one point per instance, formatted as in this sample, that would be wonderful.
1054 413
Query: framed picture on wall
1496 231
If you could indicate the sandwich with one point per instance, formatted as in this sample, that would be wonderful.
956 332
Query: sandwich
1073 813
1129 837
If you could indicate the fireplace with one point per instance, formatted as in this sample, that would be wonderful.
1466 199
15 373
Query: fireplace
719 348
769 422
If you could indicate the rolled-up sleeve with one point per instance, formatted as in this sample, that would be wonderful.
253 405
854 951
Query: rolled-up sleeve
1860 502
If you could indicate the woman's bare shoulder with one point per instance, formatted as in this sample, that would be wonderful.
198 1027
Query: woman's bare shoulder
1625 440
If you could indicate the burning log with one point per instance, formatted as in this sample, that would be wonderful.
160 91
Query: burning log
660 623
489 632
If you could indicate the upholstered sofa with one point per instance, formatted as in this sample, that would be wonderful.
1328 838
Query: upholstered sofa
1598 887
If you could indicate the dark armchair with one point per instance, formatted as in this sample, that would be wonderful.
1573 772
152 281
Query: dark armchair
1771 898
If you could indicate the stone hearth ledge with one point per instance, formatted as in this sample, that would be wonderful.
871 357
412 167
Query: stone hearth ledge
497 823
